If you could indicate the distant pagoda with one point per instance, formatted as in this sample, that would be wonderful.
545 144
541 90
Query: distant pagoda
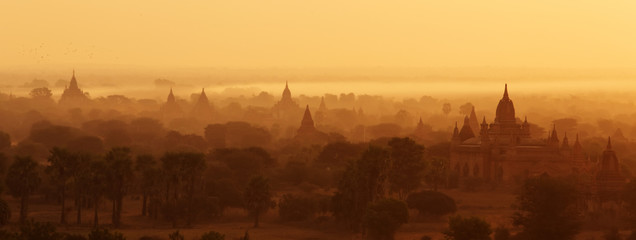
73 95
307 133
202 108
171 109
286 108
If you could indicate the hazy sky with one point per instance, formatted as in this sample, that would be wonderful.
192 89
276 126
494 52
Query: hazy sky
321 33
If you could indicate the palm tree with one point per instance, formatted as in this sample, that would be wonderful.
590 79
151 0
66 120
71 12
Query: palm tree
97 180
118 174
60 164
22 180
258 198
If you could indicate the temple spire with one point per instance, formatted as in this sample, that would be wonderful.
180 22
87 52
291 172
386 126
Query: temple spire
73 84
566 143
609 143
505 95
307 124
171 96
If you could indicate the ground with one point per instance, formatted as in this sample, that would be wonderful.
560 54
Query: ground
494 206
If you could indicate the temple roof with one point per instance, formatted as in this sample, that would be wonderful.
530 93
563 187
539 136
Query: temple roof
505 109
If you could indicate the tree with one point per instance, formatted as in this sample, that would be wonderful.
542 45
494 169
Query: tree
145 166
431 202
546 209
22 180
41 93
118 175
60 163
244 163
362 183
407 166
466 108
5 213
612 234
436 172
502 233
446 108
98 180
383 218
470 228
258 198
184 181
38 231
295 208
81 180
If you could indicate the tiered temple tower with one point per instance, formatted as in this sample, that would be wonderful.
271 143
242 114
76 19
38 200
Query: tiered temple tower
73 95
286 108
202 108
171 109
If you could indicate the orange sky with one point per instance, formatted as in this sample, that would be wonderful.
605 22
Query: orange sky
321 33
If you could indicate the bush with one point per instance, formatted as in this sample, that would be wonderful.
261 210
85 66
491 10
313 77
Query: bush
104 234
39 231
431 202
471 228
612 234
212 235
294 208
176 236
384 217
502 233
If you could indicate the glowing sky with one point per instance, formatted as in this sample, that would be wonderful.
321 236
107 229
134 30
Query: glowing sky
319 33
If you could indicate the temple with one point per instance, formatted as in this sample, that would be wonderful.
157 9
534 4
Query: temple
202 108
73 95
307 134
504 150
171 109
286 109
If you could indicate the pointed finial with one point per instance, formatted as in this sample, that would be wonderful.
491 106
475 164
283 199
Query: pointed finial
73 72
286 84
609 143
505 91
307 108
455 124
526 119
484 121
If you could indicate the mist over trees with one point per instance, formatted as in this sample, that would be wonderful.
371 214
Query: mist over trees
370 166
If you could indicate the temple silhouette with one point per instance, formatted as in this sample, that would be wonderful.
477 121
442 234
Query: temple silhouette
504 151
73 96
